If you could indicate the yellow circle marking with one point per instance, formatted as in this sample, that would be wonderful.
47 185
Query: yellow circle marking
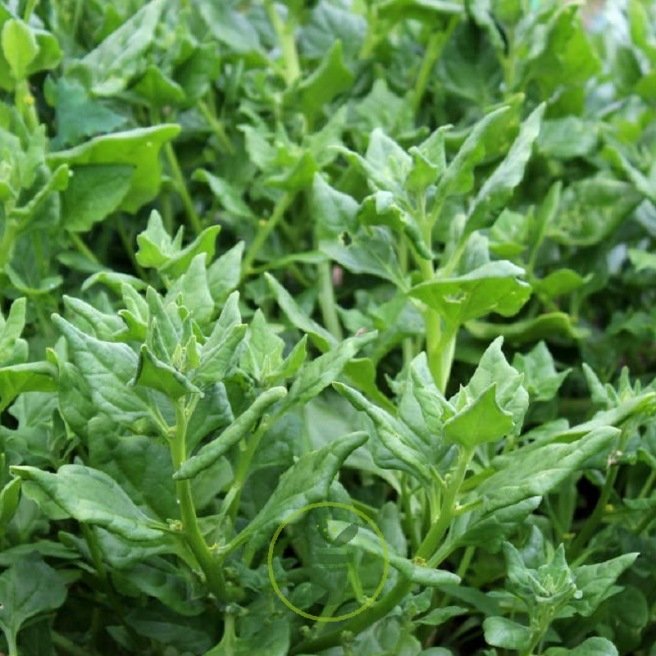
295 515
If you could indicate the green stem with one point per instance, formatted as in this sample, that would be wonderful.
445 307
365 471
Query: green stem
217 127
327 301
181 188
29 8
433 52
82 247
264 229
593 521
191 530
25 105
285 33
179 181
67 646
439 528
7 242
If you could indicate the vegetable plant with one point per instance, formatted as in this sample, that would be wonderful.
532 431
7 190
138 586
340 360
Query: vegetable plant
327 328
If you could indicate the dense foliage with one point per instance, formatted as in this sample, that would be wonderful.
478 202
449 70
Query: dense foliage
390 260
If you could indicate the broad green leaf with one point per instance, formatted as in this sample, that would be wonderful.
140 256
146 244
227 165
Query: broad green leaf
138 148
335 211
18 46
498 188
306 481
566 138
27 589
9 498
553 325
502 632
458 177
540 376
262 351
29 377
219 351
331 78
229 26
316 375
596 582
153 373
244 424
592 209
158 250
590 647
90 496
480 421
12 348
413 571
559 282
414 456
114 62
321 337
642 260
82 204
107 368
371 251
494 287
528 473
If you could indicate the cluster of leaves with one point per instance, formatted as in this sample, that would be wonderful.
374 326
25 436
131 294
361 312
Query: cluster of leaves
391 255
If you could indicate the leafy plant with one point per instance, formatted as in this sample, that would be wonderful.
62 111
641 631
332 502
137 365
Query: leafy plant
327 327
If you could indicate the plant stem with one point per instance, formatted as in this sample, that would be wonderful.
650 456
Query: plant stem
593 521
191 529
433 52
82 247
179 182
25 105
217 127
327 301
439 528
181 188
67 646
285 33
264 229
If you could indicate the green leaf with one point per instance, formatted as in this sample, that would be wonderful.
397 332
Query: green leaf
158 250
82 204
30 377
502 632
138 148
331 78
321 337
590 647
533 472
27 589
540 376
315 376
414 456
498 188
12 348
479 422
596 583
90 496
18 46
107 369
244 424
494 287
305 482
114 62
153 373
